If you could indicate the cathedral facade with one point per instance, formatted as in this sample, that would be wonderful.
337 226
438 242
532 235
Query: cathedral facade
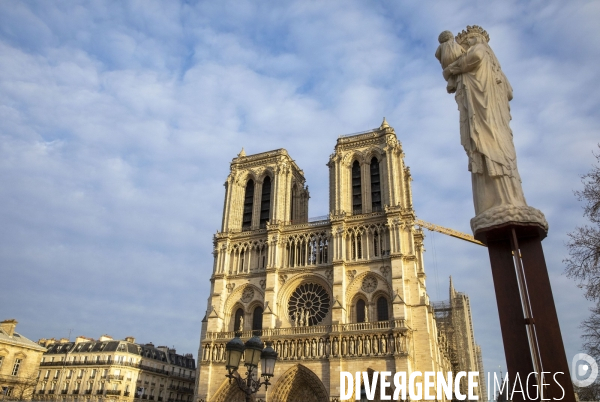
343 292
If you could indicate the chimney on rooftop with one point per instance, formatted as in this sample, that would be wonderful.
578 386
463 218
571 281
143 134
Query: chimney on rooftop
9 326
130 339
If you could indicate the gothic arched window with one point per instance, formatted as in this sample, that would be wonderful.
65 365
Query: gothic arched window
360 311
293 203
239 314
382 309
257 319
376 247
356 246
248 205
242 261
375 186
323 258
356 189
265 202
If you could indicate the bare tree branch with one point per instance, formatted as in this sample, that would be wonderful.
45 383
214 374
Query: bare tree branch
583 263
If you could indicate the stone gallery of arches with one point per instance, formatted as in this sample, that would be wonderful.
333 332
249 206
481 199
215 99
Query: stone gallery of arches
343 292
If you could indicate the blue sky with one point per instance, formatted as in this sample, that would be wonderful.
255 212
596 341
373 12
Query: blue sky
118 121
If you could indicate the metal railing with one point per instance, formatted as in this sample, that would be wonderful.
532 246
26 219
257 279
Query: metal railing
360 132
310 223
107 362
113 392
185 377
180 388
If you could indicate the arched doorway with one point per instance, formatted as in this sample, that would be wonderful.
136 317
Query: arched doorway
229 393
299 384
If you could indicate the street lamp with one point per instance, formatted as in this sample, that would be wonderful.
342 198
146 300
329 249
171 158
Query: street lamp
254 352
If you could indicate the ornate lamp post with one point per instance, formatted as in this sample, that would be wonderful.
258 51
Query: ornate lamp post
254 351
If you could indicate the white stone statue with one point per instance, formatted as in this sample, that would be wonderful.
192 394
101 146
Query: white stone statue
241 328
306 317
366 313
482 95
447 52
301 321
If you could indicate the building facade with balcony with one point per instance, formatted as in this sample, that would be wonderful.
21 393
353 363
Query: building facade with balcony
343 292
19 362
90 370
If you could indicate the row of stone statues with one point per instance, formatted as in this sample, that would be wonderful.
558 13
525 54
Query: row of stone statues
325 347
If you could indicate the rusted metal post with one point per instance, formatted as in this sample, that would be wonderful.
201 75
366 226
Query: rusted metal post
529 323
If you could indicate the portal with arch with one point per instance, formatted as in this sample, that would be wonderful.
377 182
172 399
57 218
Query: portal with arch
299 384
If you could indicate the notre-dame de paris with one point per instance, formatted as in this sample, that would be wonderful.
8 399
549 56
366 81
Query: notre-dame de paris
342 292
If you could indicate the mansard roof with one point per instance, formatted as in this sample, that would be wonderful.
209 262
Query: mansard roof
19 340
147 351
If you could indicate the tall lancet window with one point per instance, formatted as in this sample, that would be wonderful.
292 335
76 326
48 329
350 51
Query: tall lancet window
248 204
265 202
375 186
356 190
257 320
382 309
293 198
360 311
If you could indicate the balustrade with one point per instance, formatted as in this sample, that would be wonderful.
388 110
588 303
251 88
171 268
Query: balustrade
375 339
313 329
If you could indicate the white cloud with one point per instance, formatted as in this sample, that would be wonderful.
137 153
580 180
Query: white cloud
118 121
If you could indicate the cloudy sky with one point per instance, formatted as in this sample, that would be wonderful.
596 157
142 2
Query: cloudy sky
118 121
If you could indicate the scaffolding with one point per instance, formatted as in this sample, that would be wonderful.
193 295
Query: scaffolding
454 323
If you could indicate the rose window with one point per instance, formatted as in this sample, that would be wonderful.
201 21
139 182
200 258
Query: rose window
369 284
247 294
308 305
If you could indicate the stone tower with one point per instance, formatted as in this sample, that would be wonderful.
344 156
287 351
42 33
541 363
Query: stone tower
344 292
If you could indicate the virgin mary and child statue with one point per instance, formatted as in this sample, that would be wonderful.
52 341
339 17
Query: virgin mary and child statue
482 93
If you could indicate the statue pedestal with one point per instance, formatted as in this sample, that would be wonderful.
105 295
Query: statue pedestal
528 320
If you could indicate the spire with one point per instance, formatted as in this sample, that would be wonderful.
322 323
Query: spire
384 124
242 153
